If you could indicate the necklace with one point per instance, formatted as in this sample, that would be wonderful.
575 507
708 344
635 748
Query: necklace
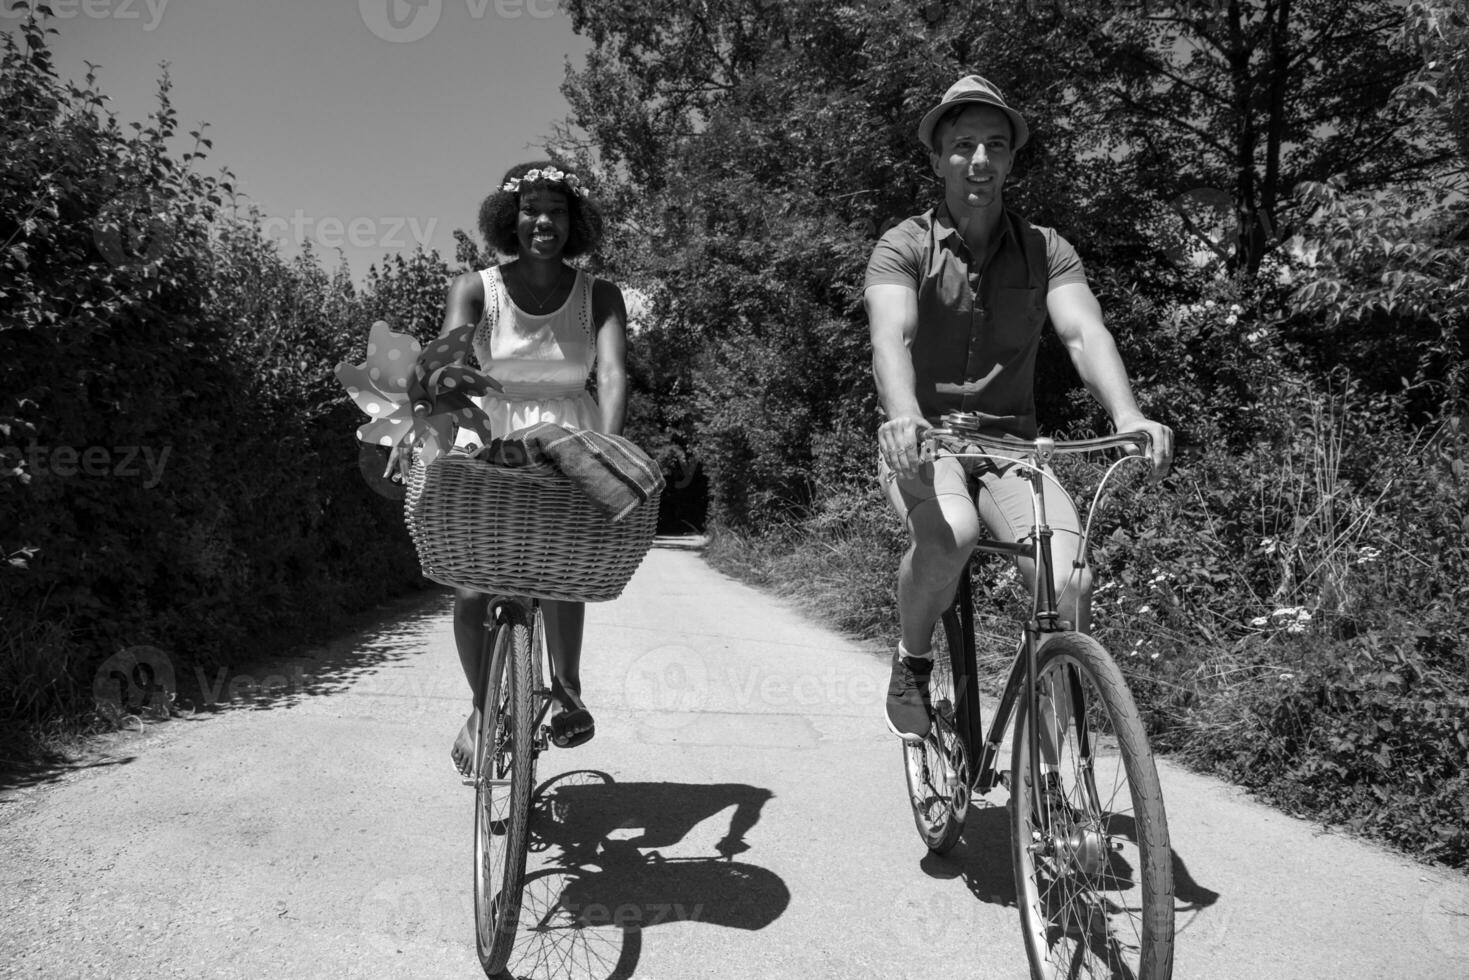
540 303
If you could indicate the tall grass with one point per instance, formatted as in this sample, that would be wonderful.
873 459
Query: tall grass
1292 617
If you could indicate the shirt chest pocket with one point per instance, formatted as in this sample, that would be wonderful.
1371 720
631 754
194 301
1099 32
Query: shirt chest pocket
1016 316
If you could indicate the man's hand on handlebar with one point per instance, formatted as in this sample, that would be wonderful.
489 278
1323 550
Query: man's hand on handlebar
898 442
1161 443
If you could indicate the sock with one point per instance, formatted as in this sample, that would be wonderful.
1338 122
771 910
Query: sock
903 652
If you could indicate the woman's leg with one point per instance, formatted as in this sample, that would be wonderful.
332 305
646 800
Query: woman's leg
469 637
565 622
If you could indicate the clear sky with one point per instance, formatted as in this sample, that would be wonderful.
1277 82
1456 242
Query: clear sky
368 124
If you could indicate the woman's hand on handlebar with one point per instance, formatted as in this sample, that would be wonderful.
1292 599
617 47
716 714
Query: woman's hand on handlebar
400 459
898 442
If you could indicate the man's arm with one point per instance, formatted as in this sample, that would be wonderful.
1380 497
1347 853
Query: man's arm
892 317
1077 317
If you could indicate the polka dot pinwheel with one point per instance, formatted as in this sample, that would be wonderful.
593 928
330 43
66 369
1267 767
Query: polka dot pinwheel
406 390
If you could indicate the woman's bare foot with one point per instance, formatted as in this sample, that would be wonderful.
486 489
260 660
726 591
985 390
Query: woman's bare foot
463 751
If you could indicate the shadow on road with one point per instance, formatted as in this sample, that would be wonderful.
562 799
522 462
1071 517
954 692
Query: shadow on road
135 699
982 857
601 877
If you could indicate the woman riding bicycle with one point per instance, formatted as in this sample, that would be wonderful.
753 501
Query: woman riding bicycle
542 327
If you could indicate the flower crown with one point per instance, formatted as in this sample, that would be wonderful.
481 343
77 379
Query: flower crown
549 175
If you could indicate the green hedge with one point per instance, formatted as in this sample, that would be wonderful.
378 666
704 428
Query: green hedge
177 468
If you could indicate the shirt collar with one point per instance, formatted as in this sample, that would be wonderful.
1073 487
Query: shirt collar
944 227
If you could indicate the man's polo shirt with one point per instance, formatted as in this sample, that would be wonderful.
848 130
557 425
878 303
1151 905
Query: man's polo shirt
978 329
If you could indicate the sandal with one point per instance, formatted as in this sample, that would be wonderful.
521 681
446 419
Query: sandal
572 728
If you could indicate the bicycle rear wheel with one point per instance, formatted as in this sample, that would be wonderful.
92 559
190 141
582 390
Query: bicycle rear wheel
938 769
505 777
1093 867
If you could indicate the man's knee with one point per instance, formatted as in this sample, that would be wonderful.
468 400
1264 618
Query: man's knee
939 555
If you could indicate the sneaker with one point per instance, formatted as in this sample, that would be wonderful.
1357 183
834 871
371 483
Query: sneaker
908 704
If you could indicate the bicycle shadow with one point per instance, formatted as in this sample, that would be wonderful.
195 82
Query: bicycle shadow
984 860
600 877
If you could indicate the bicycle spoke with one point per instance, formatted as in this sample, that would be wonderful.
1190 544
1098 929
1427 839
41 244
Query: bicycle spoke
1094 872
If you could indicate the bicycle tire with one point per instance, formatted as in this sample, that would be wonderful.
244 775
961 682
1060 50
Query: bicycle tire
1093 866
503 788
938 770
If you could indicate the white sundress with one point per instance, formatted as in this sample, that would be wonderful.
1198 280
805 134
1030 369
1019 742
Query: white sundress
543 361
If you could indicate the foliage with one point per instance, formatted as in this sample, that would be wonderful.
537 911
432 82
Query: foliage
178 469
1247 98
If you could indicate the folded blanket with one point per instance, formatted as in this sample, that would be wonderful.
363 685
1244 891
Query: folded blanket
612 471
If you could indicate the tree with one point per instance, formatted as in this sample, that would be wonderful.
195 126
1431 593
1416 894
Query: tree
753 151
1251 97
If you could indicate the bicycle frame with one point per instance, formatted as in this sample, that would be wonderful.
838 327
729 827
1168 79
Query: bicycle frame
489 669
1031 457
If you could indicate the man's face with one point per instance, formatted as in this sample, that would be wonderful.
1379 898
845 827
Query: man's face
974 156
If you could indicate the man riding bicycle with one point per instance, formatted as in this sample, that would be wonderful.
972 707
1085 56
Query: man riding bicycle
956 298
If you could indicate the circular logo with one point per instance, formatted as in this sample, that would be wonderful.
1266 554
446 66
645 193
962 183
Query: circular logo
1446 919
666 684
1210 227
372 463
402 910
135 681
933 913
400 21
132 231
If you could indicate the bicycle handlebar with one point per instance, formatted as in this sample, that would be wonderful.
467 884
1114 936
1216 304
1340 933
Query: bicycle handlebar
960 431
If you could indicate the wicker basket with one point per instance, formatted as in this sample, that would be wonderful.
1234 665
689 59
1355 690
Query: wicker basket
521 530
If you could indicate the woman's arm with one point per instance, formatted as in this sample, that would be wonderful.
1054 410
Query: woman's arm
610 314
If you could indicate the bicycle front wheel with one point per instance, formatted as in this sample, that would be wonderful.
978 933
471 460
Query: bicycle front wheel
1093 867
938 769
503 785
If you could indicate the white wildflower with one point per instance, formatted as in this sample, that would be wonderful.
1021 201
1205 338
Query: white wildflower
1268 545
1367 554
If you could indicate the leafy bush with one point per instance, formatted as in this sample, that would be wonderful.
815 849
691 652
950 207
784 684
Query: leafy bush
177 467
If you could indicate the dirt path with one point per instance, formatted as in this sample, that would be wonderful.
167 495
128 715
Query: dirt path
753 823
